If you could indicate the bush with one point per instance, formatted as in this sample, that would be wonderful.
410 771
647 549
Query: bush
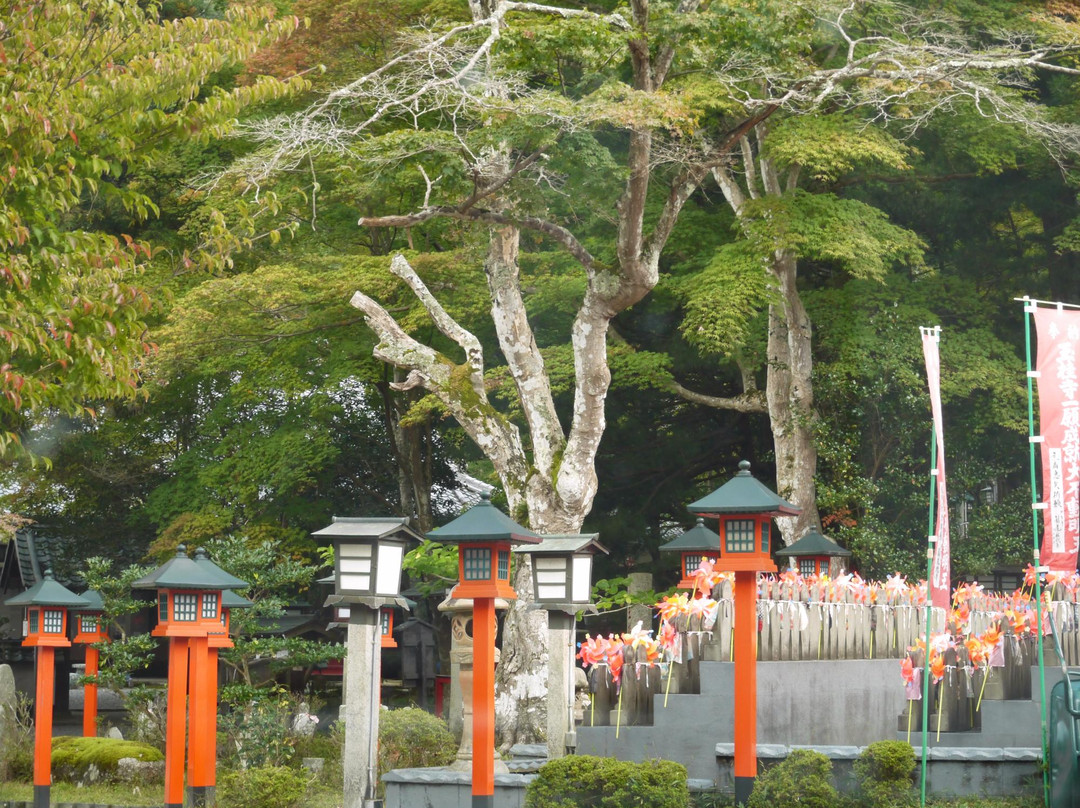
583 780
72 757
803 780
262 787
255 727
412 738
884 774
17 761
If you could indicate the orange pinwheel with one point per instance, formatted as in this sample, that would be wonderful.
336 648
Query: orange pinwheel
907 670
672 606
937 667
976 650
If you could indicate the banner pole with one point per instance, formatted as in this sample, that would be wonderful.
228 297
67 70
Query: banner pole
1028 305
926 651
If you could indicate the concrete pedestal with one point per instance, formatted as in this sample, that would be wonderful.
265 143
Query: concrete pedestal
560 701
363 672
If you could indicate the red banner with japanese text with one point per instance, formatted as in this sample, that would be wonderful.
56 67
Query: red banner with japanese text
1058 333
940 570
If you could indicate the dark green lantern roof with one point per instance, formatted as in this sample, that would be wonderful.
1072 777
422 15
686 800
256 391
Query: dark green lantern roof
698 537
483 522
47 592
94 603
231 600
182 572
743 493
813 544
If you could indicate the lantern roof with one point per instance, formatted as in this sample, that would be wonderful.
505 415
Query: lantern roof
698 537
565 543
47 592
743 493
182 572
231 600
367 527
94 602
483 522
813 544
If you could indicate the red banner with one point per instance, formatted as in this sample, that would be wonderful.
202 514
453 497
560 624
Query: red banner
1058 332
940 571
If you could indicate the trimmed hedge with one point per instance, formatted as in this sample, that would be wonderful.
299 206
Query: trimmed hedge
262 787
802 780
885 773
584 781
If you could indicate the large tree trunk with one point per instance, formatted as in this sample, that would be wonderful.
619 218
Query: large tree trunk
789 393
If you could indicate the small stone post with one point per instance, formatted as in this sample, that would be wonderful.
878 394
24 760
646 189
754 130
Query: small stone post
560 724
643 613
362 669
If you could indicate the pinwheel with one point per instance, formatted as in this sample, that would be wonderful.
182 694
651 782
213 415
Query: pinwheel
976 651
1029 576
593 651
907 670
896 586
672 606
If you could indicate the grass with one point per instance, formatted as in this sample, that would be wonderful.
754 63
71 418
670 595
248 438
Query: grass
102 794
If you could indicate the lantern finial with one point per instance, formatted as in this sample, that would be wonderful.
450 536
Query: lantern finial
181 550
201 554
744 468
47 575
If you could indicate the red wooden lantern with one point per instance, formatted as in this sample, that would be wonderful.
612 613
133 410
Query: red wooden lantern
45 628
89 628
745 509
694 545
812 554
483 535
386 628
190 613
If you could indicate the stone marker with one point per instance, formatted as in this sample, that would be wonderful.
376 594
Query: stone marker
7 709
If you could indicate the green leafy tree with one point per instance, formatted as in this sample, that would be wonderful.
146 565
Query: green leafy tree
92 91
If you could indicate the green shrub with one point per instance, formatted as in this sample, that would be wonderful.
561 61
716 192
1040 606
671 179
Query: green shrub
17 724
583 780
412 738
884 774
262 787
72 756
255 727
803 780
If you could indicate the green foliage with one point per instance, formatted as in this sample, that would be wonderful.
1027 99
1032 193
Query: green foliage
431 566
262 787
71 756
97 90
411 738
17 760
255 727
802 780
614 593
884 773
146 715
583 780
828 146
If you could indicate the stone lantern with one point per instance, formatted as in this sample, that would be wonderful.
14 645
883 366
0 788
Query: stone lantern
562 585
368 554
745 508
693 546
89 629
47 604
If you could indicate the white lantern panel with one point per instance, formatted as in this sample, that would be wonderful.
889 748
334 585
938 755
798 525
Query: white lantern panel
550 562
551 592
388 571
353 582
582 579
551 576
354 551
360 565
342 613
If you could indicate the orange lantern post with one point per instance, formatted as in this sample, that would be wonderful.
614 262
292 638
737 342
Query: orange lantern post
483 535
745 509
89 630
45 628
189 612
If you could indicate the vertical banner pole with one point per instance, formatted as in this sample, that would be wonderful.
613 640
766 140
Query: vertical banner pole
1028 311
926 652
